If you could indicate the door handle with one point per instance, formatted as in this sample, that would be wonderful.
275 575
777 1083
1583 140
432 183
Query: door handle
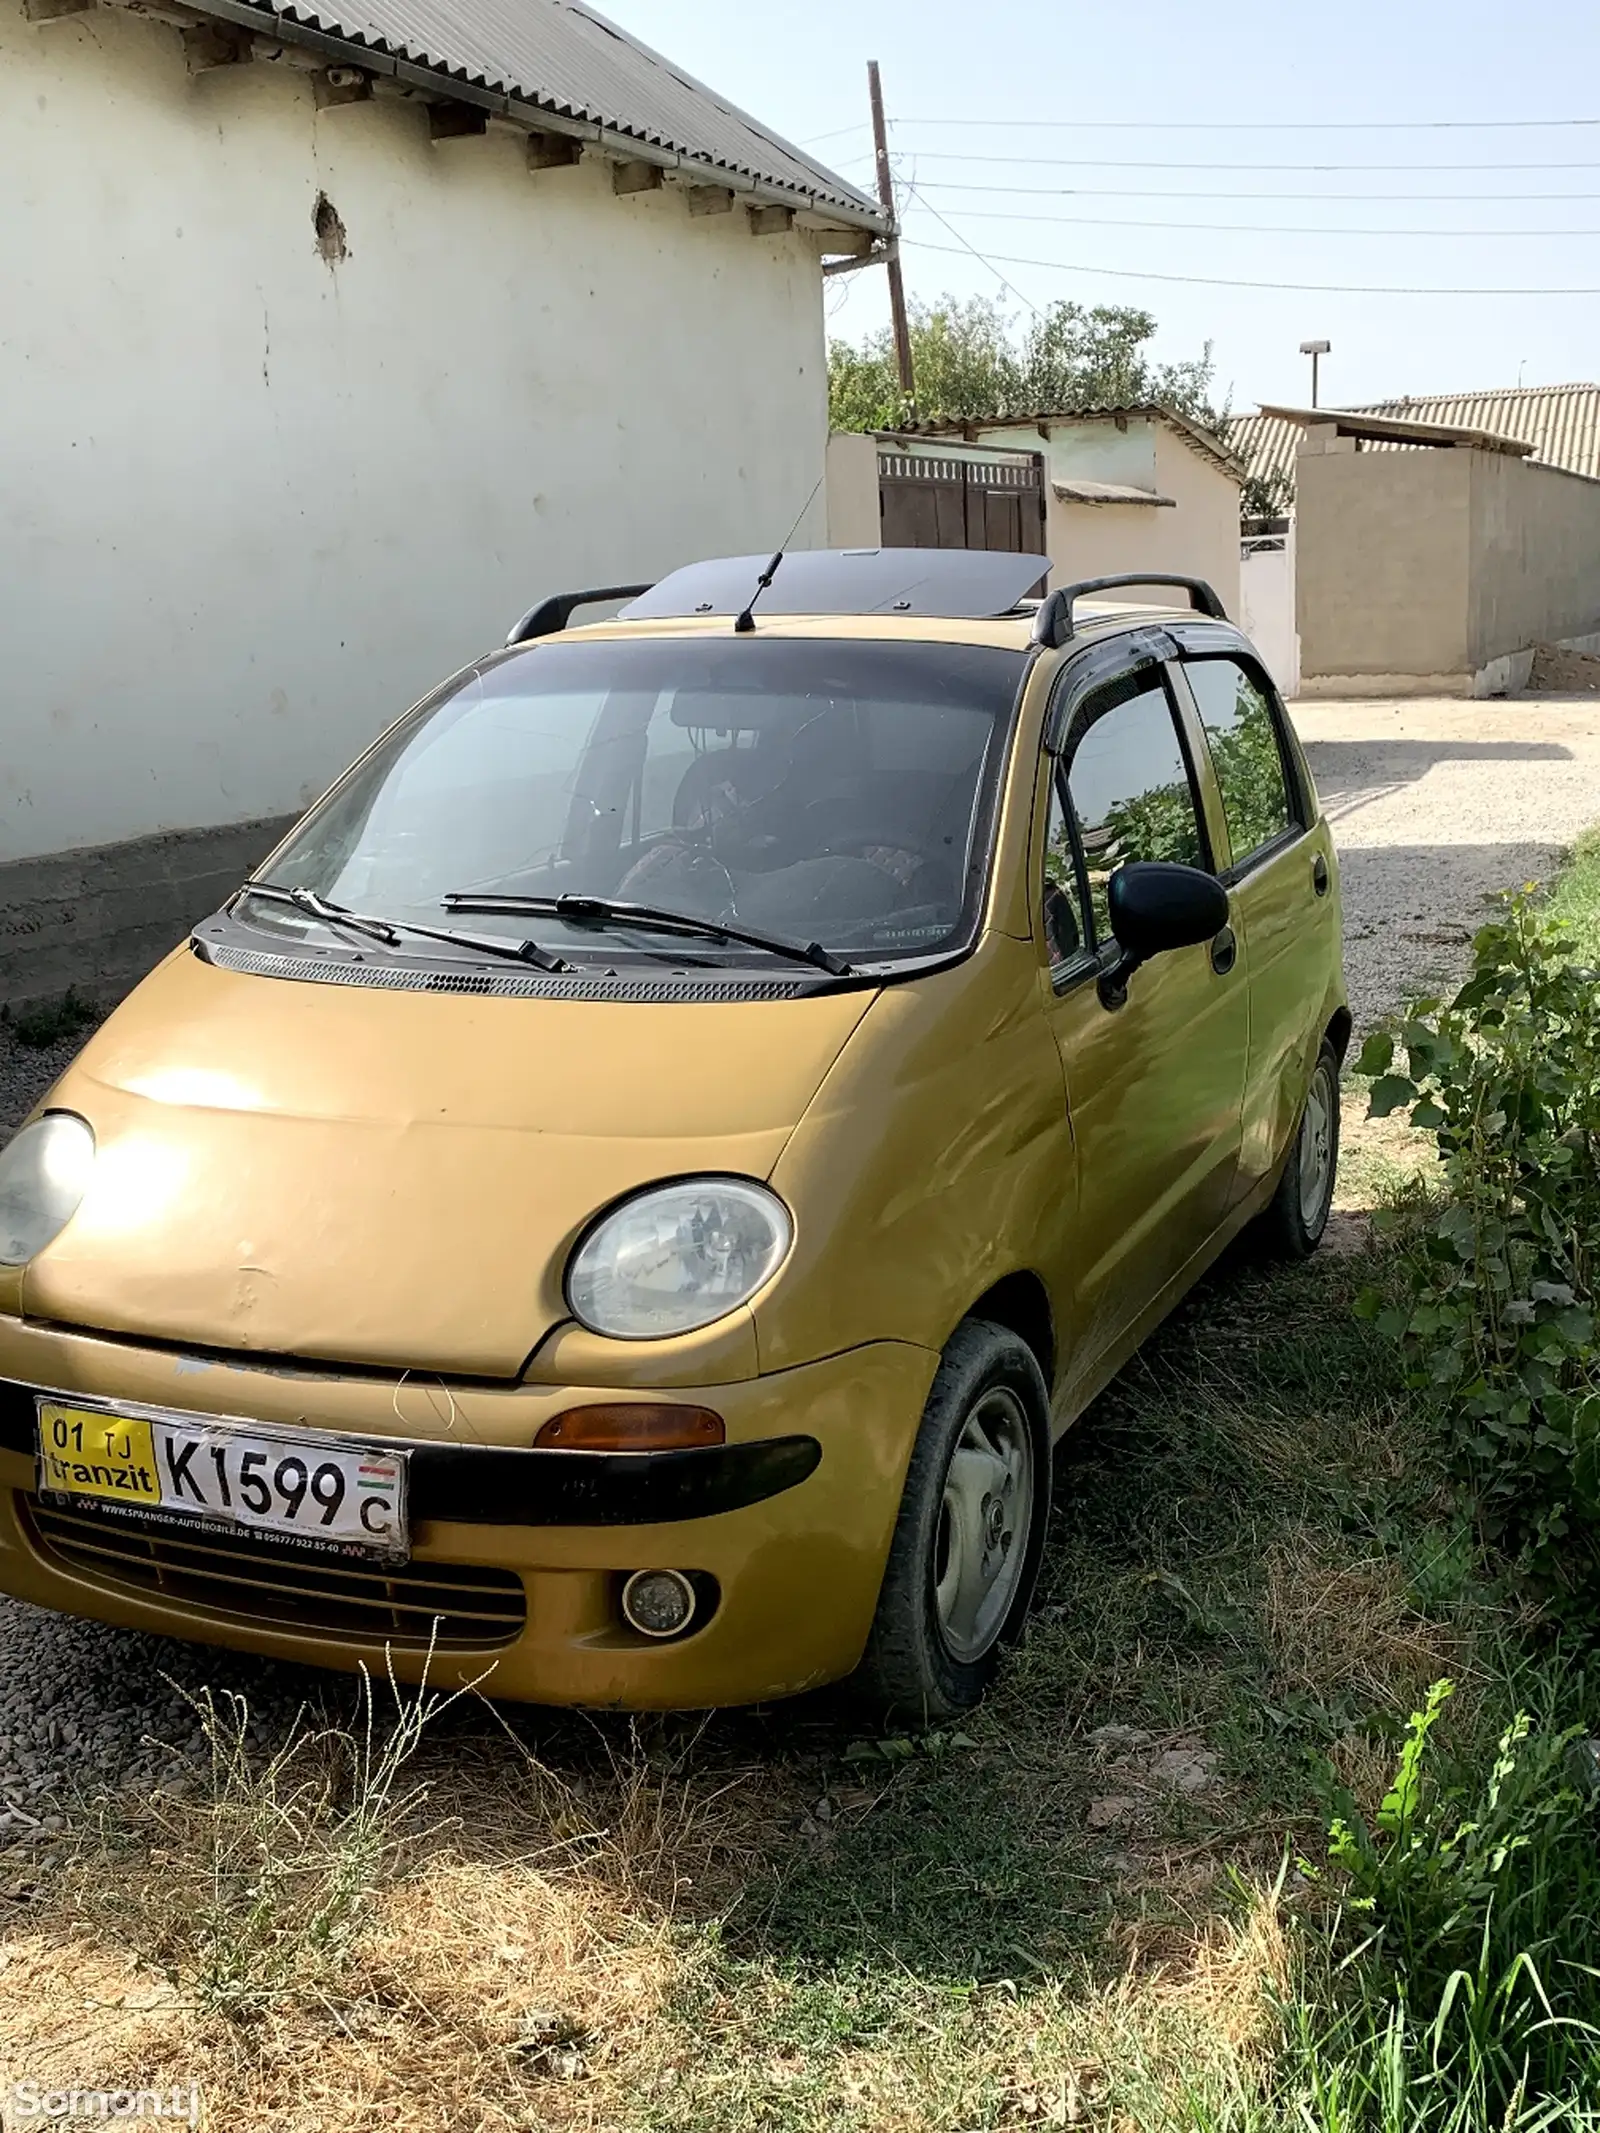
1319 875
1224 952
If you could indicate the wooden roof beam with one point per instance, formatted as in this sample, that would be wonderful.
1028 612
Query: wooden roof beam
457 122
636 178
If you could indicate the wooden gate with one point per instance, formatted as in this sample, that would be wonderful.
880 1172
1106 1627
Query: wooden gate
994 501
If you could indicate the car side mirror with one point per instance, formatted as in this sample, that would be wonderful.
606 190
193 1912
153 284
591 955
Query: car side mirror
1156 907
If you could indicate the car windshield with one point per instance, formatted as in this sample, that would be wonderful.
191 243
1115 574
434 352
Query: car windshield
836 792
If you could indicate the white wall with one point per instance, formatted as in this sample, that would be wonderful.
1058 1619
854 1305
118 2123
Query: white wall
252 504
855 514
1266 605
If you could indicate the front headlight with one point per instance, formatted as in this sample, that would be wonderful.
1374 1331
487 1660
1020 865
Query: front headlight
678 1257
44 1173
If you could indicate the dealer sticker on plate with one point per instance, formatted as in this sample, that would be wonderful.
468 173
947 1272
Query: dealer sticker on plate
326 1493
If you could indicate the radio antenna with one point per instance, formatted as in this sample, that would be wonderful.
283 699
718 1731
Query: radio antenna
746 620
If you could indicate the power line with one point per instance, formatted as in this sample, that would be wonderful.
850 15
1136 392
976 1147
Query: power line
973 249
1184 192
1077 125
815 140
1216 281
1230 229
951 155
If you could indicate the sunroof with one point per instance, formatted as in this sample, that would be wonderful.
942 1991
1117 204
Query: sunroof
961 584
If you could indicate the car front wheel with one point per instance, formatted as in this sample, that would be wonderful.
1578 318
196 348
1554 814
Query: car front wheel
967 1542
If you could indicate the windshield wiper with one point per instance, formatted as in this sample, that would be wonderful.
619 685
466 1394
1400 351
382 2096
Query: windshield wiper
389 930
601 910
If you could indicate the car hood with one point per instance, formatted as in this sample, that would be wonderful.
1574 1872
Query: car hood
395 1178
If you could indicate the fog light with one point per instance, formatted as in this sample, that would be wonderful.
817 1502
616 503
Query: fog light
658 1603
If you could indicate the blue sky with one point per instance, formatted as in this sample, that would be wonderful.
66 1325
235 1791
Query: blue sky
1239 66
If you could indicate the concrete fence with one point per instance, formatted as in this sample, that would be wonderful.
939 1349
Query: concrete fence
1436 571
94 921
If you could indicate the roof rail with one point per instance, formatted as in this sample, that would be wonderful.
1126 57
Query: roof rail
555 611
1053 625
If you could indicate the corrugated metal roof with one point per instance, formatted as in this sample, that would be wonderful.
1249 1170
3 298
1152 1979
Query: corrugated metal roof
575 64
1561 422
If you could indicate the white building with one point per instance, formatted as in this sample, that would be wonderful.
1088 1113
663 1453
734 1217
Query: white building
331 337
1098 490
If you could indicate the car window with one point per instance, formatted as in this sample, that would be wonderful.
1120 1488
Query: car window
1242 732
1065 925
839 792
1130 787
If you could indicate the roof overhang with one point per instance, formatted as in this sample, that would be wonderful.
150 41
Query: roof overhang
1111 492
1392 429
831 206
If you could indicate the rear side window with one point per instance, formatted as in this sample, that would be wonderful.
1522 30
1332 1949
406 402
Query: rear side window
1064 922
1242 730
1130 787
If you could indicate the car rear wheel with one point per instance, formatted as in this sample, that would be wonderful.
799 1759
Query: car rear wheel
967 1542
1292 1225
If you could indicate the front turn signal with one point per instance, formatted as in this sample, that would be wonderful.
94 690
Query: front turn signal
631 1427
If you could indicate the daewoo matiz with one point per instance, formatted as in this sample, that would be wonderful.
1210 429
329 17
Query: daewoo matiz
625 1200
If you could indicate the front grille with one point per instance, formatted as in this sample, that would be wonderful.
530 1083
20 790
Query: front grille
407 1605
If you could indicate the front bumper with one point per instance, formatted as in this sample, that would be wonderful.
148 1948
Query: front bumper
790 1522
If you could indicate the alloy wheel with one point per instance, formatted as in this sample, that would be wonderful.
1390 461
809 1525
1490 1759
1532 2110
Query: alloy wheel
1316 1149
981 1543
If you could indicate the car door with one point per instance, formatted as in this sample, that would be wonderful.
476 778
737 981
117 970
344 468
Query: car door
1278 870
1155 1086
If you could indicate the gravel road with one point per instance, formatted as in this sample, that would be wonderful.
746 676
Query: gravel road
1436 805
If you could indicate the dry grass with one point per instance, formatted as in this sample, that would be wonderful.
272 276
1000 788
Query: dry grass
1335 1623
1238 1969
519 1948
1378 1157
359 1929
472 1923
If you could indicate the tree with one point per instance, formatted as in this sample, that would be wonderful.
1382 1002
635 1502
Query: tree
1266 496
970 361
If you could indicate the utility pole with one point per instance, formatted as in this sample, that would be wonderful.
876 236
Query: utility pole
1316 350
897 287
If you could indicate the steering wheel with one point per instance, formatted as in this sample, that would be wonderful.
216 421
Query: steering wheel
684 873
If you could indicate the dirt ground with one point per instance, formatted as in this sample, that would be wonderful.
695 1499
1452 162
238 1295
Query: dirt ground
1437 805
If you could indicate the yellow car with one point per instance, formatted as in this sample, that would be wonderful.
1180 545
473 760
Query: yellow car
625 1200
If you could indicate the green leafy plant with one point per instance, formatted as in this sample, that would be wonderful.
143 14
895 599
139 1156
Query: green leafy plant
40 1027
1470 1896
1265 496
901 1748
1250 771
1498 1322
969 360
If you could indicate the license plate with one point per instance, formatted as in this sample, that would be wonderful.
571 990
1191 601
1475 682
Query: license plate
325 1493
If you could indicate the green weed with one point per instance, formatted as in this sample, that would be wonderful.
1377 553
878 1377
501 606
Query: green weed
1497 1321
53 1022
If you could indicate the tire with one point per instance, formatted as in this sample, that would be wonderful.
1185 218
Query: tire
946 1610
1291 1225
